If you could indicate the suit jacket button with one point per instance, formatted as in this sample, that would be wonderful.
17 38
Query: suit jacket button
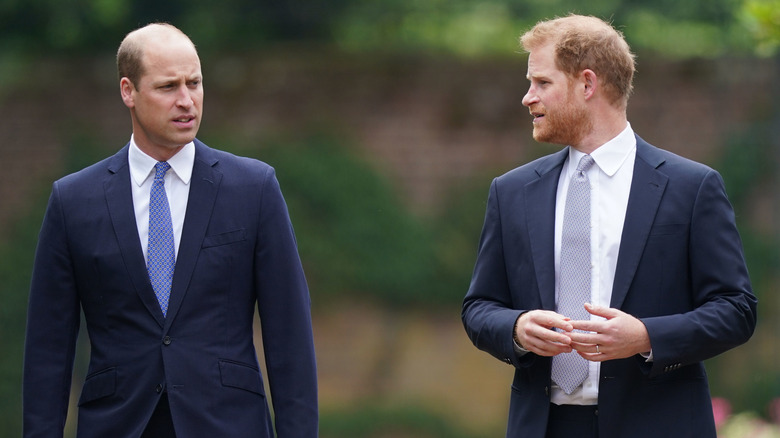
167 340
159 388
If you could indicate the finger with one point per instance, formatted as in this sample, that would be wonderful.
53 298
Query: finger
594 357
554 350
545 335
604 312
585 348
587 328
544 348
549 320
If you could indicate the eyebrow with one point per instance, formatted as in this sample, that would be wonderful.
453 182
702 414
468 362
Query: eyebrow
173 79
538 77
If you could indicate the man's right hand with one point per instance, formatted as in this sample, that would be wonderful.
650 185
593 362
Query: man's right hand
534 331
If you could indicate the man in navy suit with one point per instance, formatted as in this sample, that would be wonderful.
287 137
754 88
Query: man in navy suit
182 363
663 273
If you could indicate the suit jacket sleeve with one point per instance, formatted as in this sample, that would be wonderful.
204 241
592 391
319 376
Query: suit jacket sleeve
284 308
488 314
723 306
53 318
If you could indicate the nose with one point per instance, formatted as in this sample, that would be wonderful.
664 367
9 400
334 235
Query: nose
530 98
184 99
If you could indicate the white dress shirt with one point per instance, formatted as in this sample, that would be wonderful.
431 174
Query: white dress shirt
177 188
610 181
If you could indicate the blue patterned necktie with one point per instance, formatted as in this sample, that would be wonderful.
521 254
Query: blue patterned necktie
161 253
569 370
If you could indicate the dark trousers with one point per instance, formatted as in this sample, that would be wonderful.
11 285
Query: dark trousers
161 423
568 421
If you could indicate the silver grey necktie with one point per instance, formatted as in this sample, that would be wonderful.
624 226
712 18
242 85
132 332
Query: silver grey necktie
569 370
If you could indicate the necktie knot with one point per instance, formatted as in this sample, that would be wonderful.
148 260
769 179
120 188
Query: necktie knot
585 163
160 168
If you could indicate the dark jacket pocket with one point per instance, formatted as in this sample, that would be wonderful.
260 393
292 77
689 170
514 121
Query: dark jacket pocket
669 229
224 238
98 385
241 376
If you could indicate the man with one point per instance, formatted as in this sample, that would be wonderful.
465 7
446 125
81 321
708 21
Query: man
167 262
606 272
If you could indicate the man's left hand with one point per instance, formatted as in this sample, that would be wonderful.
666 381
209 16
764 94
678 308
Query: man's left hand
619 336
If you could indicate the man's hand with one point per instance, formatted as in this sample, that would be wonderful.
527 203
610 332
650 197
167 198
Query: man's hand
534 331
620 336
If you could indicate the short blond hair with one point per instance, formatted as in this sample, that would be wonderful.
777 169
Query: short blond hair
586 42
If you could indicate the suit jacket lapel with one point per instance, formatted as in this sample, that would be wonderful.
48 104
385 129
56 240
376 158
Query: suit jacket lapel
203 192
119 198
647 188
540 210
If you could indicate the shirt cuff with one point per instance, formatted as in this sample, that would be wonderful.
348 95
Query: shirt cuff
519 350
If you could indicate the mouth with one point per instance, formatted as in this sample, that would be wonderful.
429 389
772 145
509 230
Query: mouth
537 116
184 121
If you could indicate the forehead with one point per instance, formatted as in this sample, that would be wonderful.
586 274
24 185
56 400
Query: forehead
541 62
170 57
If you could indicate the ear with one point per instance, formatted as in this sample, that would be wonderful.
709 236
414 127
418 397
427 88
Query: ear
126 89
590 82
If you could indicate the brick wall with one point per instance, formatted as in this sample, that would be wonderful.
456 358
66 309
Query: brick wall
428 124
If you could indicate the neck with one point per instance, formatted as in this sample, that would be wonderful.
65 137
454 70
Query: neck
604 130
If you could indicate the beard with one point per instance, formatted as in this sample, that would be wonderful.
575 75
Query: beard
567 125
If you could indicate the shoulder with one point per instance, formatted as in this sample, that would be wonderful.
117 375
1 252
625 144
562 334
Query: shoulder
669 163
683 176
535 169
231 165
91 176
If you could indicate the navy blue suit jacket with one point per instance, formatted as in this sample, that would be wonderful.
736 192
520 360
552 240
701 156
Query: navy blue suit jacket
237 252
680 269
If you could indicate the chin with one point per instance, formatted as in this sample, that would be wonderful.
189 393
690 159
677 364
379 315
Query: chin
184 140
543 137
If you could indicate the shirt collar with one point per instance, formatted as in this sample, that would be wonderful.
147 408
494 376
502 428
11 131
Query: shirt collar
609 156
142 165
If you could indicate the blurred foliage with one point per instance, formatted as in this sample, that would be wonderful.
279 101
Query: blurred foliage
762 18
373 421
355 236
89 25
748 425
671 27
466 27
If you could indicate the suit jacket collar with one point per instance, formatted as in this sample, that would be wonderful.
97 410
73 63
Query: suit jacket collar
647 187
205 184
119 198
203 193
540 213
